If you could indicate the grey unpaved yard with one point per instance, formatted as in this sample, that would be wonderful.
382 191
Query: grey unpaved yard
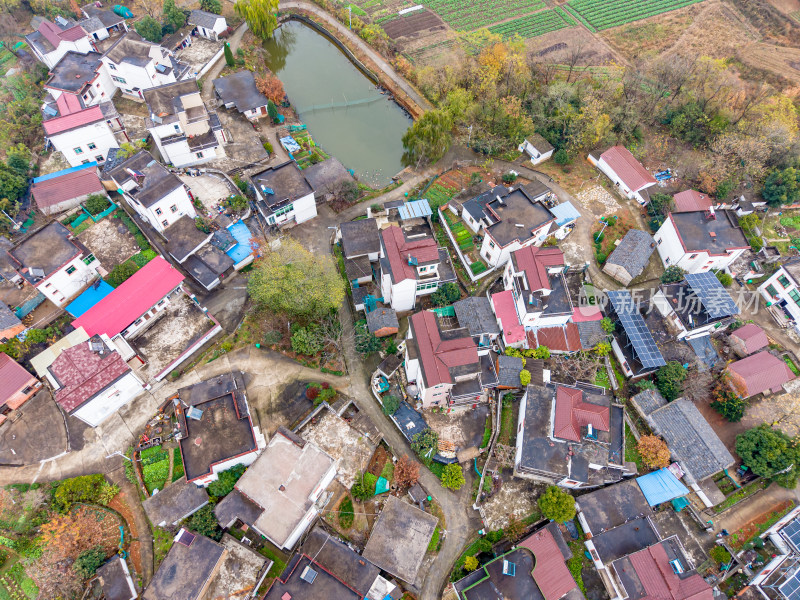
516 498
110 242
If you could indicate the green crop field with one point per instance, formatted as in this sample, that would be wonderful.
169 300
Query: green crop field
534 25
604 14
472 14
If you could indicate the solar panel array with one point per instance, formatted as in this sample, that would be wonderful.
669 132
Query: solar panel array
792 533
644 346
715 298
791 587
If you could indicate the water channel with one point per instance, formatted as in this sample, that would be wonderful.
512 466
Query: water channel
344 111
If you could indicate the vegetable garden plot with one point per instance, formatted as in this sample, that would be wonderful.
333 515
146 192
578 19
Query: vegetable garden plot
604 14
473 14
535 25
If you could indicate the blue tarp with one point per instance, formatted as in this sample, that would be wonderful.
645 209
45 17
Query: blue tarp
89 165
565 213
89 298
381 486
661 486
243 247
415 209
290 144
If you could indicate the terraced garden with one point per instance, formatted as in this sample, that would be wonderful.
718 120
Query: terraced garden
472 14
536 24
597 15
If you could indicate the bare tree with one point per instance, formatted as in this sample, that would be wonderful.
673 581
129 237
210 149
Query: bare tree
697 386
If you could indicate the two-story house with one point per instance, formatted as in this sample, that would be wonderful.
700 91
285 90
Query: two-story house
135 65
701 240
285 197
782 292
82 134
445 363
510 219
81 75
51 41
54 262
411 265
185 131
157 195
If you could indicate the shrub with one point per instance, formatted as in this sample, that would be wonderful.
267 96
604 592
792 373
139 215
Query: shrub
720 555
509 177
96 204
225 481
85 488
672 274
654 451
446 294
390 405
89 561
670 378
557 505
600 257
561 157
425 441
121 273
307 340
725 279
608 325
542 352
471 563
524 377
346 513
364 488
376 207
204 522
602 348
453 477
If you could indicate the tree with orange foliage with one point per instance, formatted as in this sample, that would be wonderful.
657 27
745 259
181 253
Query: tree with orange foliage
271 87
654 451
406 472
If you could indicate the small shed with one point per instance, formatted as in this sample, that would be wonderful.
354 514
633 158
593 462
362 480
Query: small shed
661 486
382 322
538 148
207 25
630 257
239 91
748 339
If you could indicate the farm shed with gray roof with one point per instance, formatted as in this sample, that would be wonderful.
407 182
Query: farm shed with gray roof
629 259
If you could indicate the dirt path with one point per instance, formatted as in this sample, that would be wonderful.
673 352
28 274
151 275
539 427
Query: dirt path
139 529
744 512
361 49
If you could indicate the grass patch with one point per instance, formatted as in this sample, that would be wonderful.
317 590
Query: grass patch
346 513
436 468
433 546
487 432
388 471
476 547
601 378
790 363
278 564
631 453
758 526
741 494
506 423
177 465
575 564
162 542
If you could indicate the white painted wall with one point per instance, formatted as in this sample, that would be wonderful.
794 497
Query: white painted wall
495 255
245 459
312 513
162 214
110 400
127 76
61 286
617 181
303 209
75 143
783 292
536 156
671 251
213 34
82 46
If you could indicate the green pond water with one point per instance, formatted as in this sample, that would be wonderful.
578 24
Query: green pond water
344 111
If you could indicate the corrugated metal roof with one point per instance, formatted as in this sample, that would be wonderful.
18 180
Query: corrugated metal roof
550 571
76 184
89 298
415 209
753 337
661 486
761 372
12 377
565 213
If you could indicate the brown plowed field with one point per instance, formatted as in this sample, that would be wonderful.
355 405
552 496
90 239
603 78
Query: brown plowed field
406 26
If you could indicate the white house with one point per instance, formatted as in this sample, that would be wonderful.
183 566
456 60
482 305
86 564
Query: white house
285 198
207 25
52 41
538 148
93 381
135 65
700 240
782 291
82 134
81 75
411 265
185 131
157 195
54 262
101 23
626 173
277 496
510 219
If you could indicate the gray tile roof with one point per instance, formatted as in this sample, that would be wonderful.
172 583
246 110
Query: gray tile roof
175 502
356 268
648 401
508 368
381 318
7 317
475 313
690 439
360 237
590 332
203 18
240 88
633 251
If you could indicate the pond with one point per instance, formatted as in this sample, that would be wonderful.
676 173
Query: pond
344 111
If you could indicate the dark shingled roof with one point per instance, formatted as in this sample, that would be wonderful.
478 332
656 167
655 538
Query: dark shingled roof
183 236
356 268
8 318
360 237
115 580
340 561
614 505
73 71
633 252
381 318
48 249
695 229
590 333
203 18
691 439
475 313
648 401
157 182
185 571
174 503
107 17
237 506
508 369
285 179
240 88
324 175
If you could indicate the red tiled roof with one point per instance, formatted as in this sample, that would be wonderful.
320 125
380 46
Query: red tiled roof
761 372
83 373
629 170
73 34
549 570
691 200
505 310
12 377
134 297
398 249
73 120
55 35
438 356
572 413
562 338
66 187
68 104
534 261
659 580
753 336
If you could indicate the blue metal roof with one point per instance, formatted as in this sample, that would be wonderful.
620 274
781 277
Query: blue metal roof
89 298
89 165
565 213
661 486
415 209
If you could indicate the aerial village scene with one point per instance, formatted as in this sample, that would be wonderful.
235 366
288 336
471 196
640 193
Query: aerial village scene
386 300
